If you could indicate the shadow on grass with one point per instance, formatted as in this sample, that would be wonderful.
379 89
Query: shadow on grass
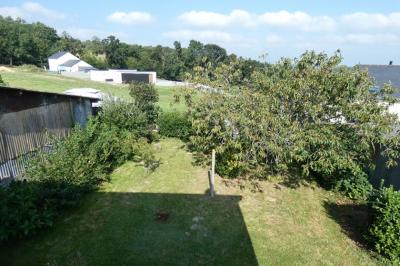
353 218
142 229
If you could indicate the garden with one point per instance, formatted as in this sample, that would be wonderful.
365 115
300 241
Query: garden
294 144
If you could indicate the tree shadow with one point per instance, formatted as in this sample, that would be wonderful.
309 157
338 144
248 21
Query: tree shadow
353 218
142 229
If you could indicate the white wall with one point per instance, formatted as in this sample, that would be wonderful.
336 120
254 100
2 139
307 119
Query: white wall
99 75
54 63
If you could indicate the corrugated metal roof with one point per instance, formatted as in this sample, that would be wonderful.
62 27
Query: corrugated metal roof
45 92
57 55
70 63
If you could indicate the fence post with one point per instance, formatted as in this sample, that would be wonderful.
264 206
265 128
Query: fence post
211 174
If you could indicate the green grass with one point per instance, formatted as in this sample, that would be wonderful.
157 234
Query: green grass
49 82
119 225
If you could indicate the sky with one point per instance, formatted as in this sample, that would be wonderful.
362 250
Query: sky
366 31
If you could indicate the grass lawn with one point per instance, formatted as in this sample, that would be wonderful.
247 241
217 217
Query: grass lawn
43 81
165 218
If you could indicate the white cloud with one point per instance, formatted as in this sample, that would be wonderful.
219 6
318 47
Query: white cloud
30 10
130 18
296 20
300 20
38 9
369 21
205 36
212 19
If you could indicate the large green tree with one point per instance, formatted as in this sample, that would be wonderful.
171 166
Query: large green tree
307 117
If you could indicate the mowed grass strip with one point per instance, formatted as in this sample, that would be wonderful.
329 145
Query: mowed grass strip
165 217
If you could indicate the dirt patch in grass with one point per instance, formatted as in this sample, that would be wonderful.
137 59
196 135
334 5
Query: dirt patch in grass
6 69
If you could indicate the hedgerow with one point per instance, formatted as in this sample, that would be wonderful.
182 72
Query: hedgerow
174 124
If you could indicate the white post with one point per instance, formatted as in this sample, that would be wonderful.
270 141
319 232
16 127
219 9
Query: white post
212 175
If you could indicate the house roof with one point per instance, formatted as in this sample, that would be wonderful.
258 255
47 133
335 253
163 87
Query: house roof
70 63
384 74
57 55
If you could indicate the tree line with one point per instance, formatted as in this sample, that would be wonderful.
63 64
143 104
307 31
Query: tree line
33 43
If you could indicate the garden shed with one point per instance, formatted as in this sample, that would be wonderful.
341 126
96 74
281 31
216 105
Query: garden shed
29 118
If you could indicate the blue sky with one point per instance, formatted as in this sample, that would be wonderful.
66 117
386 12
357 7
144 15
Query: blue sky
366 31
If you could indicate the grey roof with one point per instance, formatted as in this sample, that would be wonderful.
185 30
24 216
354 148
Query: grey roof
384 74
57 55
70 63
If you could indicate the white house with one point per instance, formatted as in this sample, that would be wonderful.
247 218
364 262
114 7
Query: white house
65 61
123 76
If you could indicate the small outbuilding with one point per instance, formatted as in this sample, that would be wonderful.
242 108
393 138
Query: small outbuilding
121 76
29 118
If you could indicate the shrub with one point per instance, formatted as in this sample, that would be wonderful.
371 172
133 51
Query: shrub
355 187
125 116
174 124
385 229
75 166
145 96
23 210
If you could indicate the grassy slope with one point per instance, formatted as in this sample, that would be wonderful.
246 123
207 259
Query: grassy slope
118 226
42 81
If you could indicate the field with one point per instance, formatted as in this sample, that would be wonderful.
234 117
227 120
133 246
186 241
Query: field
166 218
49 82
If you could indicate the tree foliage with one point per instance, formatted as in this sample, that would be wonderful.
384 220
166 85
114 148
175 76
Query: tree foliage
310 117
24 43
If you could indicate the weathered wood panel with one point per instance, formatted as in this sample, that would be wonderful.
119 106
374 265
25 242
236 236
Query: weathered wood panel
27 130
29 120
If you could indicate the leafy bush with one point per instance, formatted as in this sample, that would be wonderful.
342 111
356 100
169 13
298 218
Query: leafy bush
125 116
311 117
75 166
174 124
146 97
355 187
385 229
23 210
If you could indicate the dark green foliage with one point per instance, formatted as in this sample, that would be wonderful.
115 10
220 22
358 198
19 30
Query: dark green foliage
309 117
23 210
76 165
115 52
356 187
125 116
384 232
25 43
146 97
175 124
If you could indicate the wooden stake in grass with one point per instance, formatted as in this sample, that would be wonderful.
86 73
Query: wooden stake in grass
211 174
